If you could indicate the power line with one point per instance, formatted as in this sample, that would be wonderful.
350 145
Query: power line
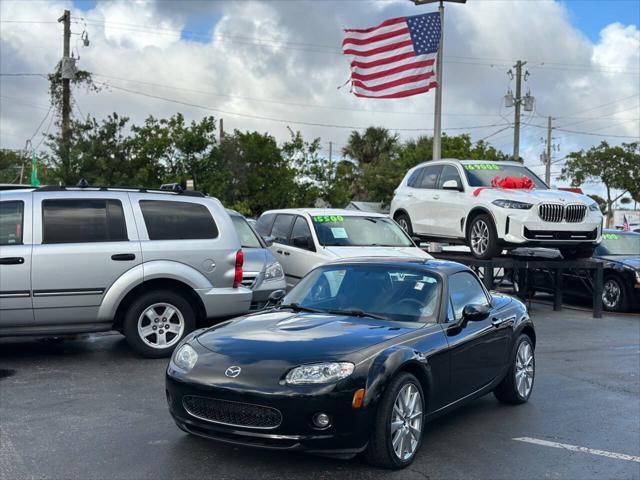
599 106
597 134
637 107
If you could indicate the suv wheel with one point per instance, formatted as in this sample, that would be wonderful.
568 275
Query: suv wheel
405 223
577 252
482 238
156 322
397 433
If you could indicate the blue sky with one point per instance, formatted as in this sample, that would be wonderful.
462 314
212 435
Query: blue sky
591 16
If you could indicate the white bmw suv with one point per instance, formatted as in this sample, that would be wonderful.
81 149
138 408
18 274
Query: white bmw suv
468 202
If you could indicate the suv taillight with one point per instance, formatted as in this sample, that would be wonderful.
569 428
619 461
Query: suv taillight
237 279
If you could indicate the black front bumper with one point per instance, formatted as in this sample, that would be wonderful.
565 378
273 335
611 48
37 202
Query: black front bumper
347 435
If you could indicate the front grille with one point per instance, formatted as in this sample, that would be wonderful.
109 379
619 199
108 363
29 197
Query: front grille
236 414
559 235
575 213
554 212
249 279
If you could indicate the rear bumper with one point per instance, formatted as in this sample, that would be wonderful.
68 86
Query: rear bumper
347 435
224 302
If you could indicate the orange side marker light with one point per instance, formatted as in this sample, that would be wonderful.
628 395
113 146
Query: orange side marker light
358 397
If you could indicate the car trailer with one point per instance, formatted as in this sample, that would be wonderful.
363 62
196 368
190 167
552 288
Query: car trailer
513 270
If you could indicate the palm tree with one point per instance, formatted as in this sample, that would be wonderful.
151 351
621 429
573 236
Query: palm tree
374 145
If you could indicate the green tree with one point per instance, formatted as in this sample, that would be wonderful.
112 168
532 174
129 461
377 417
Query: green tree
617 167
602 203
375 145
11 163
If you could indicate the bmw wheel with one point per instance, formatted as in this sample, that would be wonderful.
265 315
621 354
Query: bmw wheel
482 238
405 223
397 433
517 385
156 322
614 294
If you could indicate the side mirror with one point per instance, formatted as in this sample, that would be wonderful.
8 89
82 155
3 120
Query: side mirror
474 312
302 242
451 185
268 239
275 298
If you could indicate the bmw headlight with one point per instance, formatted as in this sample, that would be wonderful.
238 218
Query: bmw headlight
273 272
512 204
185 357
594 207
319 373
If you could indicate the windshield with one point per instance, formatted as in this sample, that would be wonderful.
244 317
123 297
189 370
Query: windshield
248 237
394 293
619 244
481 174
358 231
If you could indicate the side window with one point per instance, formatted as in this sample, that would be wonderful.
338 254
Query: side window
301 234
465 289
166 220
264 224
11 223
84 220
430 176
281 228
449 172
414 179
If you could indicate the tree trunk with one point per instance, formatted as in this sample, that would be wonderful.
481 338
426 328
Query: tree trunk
609 208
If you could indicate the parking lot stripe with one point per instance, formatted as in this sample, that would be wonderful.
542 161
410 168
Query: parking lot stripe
575 448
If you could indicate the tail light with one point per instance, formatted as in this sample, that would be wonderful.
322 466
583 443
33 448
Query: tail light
237 279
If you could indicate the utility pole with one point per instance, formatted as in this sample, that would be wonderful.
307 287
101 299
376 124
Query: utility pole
330 151
66 87
547 166
221 130
516 131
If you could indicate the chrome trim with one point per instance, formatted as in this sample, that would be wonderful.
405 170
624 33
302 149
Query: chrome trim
16 294
59 293
556 213
230 424
249 279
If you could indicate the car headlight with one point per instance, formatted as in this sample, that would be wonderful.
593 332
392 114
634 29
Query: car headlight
273 272
319 373
638 276
594 207
185 357
512 204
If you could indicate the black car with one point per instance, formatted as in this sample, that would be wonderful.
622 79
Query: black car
357 357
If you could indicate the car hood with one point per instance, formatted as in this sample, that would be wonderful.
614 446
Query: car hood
400 252
297 337
632 261
255 259
533 196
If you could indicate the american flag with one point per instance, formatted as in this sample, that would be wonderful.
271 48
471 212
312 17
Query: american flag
395 59
625 224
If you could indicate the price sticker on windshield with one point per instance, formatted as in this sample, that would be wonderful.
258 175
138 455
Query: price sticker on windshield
610 236
328 218
482 166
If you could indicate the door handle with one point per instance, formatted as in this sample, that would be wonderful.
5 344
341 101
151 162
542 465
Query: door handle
11 261
410 195
123 257
436 197
287 253
496 322
279 251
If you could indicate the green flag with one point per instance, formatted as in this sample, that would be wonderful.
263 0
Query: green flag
34 171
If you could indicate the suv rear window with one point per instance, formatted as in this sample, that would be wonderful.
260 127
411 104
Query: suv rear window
11 223
177 220
83 221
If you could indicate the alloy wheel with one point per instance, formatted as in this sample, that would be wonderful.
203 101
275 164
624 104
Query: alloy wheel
403 224
480 237
161 325
406 422
611 294
524 369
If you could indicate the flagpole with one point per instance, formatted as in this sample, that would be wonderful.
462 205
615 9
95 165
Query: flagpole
437 111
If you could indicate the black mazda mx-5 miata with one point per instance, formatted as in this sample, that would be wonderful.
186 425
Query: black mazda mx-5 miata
357 357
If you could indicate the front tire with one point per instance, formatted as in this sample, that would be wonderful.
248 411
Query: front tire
156 321
614 294
570 253
482 238
517 385
404 222
397 433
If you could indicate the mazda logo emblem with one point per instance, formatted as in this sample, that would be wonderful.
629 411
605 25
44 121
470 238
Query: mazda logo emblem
233 371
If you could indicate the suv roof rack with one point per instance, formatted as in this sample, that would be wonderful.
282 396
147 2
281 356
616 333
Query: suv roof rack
89 188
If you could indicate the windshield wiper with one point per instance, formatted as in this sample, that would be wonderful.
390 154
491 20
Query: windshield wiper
299 308
356 312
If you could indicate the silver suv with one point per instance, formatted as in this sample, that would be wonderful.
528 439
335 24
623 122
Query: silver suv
147 263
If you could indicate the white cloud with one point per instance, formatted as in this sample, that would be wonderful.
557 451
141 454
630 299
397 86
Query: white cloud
286 53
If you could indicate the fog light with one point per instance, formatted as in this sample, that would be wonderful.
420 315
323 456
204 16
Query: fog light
321 420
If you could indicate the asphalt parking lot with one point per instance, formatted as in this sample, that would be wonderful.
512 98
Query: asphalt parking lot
87 408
